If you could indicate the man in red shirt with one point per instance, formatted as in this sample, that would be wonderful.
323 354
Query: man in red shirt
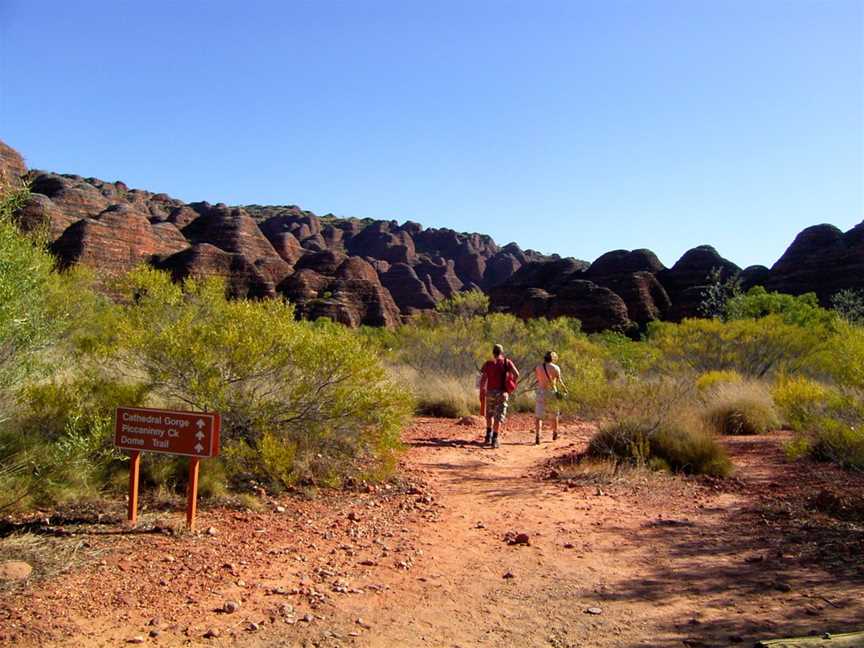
493 384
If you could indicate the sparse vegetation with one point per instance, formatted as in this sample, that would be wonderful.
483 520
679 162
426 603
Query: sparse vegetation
666 445
740 407
317 403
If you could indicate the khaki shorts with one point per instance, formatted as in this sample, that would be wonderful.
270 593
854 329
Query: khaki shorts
496 405
545 403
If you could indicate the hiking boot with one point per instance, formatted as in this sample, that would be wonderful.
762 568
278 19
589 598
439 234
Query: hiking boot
495 443
536 438
488 439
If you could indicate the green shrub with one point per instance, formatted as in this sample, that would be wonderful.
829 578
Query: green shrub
313 385
841 359
799 310
838 442
800 399
849 305
752 347
743 407
28 323
464 305
680 448
829 421
710 379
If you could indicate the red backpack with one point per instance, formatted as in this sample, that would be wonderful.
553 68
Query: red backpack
509 381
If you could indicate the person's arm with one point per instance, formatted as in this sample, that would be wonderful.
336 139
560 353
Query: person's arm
561 380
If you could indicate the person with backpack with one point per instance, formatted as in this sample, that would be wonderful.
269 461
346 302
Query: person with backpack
498 379
550 388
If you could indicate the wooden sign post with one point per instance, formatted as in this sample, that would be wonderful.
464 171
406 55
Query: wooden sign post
192 434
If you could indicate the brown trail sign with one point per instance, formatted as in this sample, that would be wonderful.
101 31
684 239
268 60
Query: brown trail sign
193 434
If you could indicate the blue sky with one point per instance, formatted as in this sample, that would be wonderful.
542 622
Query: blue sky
567 126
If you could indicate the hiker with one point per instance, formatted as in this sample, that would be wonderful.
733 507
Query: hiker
549 390
498 379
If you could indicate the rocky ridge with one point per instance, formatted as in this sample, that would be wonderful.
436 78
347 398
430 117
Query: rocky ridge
378 273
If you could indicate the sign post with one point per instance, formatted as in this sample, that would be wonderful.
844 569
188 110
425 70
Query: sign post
192 434
134 471
192 493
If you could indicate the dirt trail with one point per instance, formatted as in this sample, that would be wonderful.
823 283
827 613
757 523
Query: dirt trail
666 561
649 560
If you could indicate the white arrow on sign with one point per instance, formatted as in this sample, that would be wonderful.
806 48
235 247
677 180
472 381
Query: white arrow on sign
200 423
199 435
198 448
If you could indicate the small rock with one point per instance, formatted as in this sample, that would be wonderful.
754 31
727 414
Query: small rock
155 633
230 607
508 574
513 538
155 622
569 545
135 640
782 586
363 624
286 609
241 583
593 610
480 525
212 633
212 531
280 509
15 570
353 516
253 627
307 618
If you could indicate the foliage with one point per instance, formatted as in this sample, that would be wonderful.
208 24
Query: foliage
625 356
27 321
452 353
841 357
740 407
801 310
799 399
752 347
711 379
312 386
718 293
678 447
849 305
829 421
464 305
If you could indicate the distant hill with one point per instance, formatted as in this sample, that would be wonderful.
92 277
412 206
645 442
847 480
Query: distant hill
381 272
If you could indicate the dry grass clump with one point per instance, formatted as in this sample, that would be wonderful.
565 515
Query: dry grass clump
673 446
741 407
443 396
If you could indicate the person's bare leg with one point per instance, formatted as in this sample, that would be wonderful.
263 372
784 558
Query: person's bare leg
555 426
488 438
538 428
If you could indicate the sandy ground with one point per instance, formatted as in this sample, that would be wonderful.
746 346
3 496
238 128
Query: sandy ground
641 559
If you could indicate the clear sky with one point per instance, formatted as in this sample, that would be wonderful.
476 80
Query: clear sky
568 126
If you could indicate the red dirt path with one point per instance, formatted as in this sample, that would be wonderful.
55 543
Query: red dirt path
668 561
